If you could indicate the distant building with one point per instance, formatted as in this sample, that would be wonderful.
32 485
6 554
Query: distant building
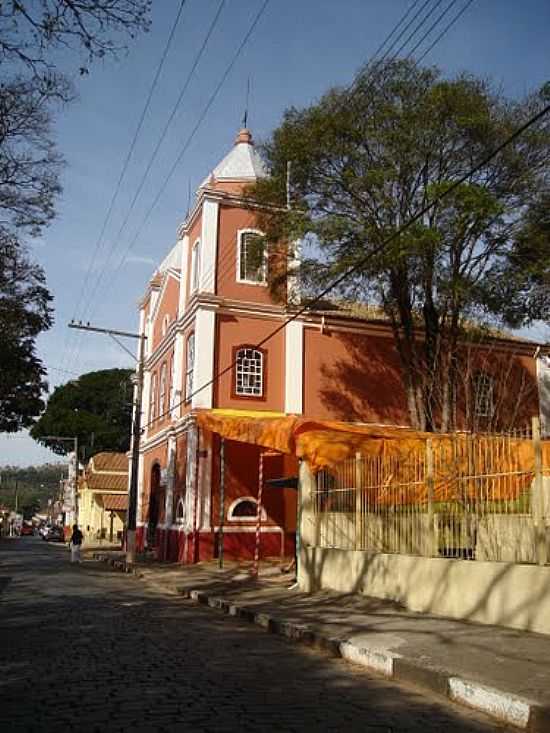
103 497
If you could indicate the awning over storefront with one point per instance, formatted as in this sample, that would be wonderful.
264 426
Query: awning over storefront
115 502
325 444
321 443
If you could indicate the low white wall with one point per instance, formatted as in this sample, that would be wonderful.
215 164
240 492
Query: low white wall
506 594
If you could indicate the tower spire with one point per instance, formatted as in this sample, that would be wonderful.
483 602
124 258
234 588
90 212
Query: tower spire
245 115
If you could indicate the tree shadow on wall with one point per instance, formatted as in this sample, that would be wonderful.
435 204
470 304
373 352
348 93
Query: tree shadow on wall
366 385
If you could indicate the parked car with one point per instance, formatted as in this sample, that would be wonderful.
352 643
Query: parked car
26 531
54 534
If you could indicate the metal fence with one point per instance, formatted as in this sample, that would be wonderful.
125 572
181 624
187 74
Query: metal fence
476 497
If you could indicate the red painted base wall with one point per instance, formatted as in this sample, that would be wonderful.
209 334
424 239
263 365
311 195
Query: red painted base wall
177 546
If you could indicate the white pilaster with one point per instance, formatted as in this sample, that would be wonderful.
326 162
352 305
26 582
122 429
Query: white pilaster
183 275
205 325
170 480
209 246
205 479
140 488
145 402
192 437
177 376
294 367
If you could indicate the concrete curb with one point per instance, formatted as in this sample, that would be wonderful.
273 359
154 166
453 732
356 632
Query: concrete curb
505 707
117 564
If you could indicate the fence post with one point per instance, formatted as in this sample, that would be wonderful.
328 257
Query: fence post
537 496
358 503
432 537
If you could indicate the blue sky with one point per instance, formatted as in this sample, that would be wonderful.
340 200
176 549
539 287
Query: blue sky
296 52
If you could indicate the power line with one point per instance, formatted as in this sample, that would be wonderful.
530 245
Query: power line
189 140
423 20
364 260
216 91
445 30
134 141
125 165
156 150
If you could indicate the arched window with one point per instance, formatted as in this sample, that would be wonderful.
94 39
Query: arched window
251 257
179 514
249 371
165 324
153 398
189 367
195 265
162 388
245 509
483 386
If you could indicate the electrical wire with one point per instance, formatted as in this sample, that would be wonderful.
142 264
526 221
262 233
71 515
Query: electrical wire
364 260
155 152
131 149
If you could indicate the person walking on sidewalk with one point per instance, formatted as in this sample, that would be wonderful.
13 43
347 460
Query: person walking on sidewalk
74 543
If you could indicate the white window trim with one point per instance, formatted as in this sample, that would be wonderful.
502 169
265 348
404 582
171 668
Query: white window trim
249 394
180 520
235 503
240 233
165 324
195 266
162 389
153 398
189 371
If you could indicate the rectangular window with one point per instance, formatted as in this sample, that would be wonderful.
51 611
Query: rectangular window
195 265
189 367
252 257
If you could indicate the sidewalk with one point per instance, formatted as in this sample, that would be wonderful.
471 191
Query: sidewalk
502 672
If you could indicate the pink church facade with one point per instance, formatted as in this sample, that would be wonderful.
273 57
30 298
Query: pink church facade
206 308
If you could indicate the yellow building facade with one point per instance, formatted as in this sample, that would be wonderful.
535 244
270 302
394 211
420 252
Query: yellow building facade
103 497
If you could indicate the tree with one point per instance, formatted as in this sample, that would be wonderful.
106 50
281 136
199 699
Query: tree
31 29
522 292
96 407
364 161
25 311
31 89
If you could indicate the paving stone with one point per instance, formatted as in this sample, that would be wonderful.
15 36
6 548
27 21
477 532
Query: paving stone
94 650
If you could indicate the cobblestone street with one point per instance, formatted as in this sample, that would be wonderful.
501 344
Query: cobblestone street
86 649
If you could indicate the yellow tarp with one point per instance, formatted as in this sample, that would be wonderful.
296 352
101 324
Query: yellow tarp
326 444
322 443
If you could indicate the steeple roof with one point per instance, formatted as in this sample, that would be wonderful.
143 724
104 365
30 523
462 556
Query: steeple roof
242 163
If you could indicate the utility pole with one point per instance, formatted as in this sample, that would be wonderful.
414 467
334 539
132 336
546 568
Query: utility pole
131 519
74 440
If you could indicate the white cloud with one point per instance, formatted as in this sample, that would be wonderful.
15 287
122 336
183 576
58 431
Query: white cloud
140 260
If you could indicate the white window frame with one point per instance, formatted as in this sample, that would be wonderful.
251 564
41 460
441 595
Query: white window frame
162 389
484 405
195 266
180 506
231 510
189 368
165 324
240 234
262 373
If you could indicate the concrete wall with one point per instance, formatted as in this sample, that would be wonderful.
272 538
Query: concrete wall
506 594
502 593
